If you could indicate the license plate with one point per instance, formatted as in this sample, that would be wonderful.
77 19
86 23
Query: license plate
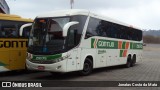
41 67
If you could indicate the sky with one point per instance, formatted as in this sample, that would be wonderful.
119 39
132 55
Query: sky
144 14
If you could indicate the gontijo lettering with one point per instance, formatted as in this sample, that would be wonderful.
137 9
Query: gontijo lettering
13 44
105 44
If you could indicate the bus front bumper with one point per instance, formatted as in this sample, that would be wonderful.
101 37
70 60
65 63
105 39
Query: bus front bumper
55 67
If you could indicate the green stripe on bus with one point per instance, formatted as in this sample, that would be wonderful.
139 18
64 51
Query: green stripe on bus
136 46
51 57
106 44
121 53
111 44
123 45
54 56
92 43
131 44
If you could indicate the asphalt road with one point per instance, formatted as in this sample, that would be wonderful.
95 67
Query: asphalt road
147 70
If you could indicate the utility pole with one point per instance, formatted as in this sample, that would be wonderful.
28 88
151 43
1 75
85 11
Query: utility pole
71 3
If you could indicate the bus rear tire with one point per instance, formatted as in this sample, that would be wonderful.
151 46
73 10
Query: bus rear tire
128 63
133 61
87 67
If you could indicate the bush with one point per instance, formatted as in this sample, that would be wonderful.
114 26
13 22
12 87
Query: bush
151 39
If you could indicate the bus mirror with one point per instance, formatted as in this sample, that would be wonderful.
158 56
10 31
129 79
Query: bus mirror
23 27
67 26
88 35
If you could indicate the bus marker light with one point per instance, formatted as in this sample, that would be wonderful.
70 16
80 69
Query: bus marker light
58 67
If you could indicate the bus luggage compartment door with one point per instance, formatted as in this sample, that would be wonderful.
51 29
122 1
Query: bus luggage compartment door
17 59
101 58
4 60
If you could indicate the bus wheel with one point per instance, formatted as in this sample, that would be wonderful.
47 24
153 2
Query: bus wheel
87 67
128 63
133 61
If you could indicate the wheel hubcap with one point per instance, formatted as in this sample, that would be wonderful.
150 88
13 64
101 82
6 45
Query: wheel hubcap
86 67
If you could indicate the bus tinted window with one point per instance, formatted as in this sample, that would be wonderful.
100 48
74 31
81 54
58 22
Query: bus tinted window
26 32
10 29
93 28
77 33
97 27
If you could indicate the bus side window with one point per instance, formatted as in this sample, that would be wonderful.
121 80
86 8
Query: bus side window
9 32
2 32
72 37
9 29
26 32
93 29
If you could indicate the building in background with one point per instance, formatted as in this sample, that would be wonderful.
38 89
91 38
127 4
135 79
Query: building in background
4 8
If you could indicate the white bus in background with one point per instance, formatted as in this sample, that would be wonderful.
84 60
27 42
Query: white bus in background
78 40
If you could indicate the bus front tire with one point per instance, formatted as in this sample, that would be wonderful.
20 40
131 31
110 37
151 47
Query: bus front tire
87 67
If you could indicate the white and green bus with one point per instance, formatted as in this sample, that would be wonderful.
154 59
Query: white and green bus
78 40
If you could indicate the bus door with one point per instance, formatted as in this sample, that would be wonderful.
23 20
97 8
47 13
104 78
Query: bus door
72 60
74 54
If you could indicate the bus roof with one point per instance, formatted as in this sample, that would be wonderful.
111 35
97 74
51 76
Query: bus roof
71 12
14 18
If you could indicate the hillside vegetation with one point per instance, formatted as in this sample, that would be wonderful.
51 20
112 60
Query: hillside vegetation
151 36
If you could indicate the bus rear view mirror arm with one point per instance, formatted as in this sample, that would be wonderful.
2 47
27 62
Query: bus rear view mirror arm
67 26
22 28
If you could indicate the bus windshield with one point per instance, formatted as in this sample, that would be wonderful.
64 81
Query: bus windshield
46 34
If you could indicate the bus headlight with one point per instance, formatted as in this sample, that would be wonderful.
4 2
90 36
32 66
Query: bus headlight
60 59
29 56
